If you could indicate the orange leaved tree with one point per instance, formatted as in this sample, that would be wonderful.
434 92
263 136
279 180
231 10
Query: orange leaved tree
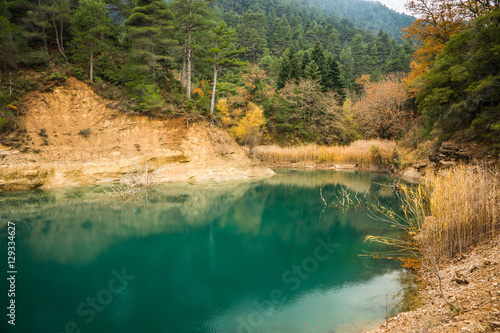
381 111
437 21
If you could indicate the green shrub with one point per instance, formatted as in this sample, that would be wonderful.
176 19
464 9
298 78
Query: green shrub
79 73
107 70
43 133
85 132
56 76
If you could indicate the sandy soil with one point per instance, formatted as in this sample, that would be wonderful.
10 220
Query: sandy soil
55 153
471 284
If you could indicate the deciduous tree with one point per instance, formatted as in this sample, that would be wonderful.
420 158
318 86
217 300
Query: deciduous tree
381 112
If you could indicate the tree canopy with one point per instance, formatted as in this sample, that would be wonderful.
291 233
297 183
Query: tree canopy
462 88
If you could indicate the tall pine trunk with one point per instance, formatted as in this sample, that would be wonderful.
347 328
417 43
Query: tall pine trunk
189 55
183 75
92 63
212 102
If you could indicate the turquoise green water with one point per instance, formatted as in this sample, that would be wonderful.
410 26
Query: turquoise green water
261 256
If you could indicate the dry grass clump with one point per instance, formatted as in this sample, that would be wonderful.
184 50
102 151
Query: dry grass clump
135 184
464 204
450 212
362 152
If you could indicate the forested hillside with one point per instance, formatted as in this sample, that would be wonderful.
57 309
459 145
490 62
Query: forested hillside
267 28
367 15
279 63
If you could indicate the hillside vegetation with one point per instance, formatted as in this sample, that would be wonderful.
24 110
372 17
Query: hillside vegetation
369 15
296 62
270 71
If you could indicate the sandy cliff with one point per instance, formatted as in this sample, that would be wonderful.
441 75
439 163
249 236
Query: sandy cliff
75 137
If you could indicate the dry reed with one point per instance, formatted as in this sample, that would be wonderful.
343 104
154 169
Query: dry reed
450 212
464 205
362 152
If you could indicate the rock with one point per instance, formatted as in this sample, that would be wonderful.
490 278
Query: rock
447 163
460 281
494 324
449 153
420 165
412 174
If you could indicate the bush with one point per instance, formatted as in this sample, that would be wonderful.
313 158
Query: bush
79 73
85 132
107 69
250 128
381 111
43 133
56 76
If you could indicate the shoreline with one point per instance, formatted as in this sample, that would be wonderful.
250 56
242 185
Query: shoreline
470 283
24 176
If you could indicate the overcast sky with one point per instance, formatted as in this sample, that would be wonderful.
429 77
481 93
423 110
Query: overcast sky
397 5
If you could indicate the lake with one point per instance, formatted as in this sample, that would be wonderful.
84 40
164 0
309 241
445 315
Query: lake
237 256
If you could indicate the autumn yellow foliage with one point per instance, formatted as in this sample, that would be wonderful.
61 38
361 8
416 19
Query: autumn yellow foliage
199 92
223 107
245 125
250 128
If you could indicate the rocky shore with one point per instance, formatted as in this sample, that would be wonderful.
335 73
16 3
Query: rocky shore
470 283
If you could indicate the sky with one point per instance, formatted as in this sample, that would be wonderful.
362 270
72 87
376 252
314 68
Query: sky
397 5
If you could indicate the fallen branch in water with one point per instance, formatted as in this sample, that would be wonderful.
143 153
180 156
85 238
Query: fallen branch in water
135 184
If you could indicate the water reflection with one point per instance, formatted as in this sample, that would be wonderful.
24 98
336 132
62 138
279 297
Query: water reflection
204 255
74 225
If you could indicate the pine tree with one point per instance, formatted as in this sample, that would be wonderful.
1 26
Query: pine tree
36 23
8 52
224 54
346 61
282 37
306 59
335 80
90 22
295 71
312 71
358 53
383 46
149 29
318 56
284 73
194 18
252 32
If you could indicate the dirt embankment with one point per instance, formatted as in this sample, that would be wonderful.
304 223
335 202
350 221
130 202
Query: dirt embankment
470 283
74 137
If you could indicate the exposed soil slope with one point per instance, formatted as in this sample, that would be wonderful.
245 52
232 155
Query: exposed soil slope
75 137
471 284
